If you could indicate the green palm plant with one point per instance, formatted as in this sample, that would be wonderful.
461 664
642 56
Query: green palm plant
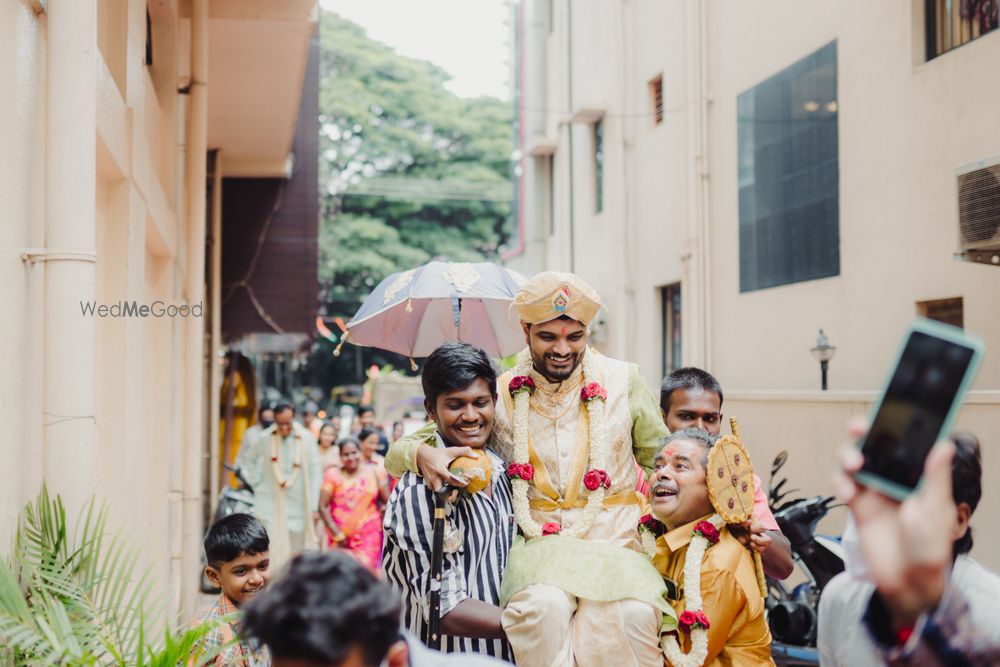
79 599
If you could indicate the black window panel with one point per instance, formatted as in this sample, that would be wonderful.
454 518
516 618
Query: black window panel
949 24
789 178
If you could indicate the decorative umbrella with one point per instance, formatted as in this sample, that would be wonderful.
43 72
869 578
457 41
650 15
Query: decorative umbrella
415 311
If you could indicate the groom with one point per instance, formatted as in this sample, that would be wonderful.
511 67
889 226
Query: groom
571 423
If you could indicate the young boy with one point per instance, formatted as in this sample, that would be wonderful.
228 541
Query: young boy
236 549
459 383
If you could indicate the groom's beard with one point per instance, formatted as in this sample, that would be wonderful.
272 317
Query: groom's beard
557 368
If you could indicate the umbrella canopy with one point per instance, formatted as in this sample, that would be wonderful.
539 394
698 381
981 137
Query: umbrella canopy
415 311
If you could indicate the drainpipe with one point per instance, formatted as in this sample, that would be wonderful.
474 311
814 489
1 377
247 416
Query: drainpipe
175 471
194 293
519 42
696 257
571 206
704 184
70 450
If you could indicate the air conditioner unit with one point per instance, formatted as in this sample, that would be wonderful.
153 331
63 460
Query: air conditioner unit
979 211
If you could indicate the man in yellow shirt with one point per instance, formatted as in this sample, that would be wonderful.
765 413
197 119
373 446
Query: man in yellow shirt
737 632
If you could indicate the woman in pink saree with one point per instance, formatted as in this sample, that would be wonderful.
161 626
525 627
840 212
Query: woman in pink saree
349 506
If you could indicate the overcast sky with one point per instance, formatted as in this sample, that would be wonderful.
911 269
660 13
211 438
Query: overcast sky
468 38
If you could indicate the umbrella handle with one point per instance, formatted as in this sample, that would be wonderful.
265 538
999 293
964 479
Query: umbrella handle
456 312
433 638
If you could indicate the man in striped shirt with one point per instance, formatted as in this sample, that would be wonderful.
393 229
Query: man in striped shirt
459 383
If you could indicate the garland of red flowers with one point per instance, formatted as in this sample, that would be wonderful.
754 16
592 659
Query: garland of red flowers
524 471
693 619
596 479
650 528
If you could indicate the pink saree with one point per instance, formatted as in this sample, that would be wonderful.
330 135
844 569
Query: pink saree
353 508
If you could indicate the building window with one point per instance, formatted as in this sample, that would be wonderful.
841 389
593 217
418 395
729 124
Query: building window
599 166
951 23
670 300
789 179
656 96
949 311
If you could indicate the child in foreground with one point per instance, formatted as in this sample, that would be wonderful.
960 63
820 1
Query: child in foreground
236 550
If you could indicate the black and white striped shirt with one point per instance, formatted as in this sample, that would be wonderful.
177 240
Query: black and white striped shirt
487 527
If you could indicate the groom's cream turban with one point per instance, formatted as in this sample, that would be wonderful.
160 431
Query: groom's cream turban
552 294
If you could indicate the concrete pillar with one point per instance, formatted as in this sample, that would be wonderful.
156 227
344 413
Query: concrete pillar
194 293
70 434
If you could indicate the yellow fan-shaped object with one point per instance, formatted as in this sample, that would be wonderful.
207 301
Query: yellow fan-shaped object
476 471
730 486
730 480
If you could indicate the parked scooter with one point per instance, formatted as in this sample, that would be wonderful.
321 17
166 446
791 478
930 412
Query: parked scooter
231 501
792 612
234 501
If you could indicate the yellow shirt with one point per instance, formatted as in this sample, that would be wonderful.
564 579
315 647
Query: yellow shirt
738 634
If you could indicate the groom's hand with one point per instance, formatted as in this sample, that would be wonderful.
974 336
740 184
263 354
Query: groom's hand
433 463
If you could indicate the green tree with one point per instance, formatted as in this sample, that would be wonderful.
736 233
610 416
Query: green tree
409 171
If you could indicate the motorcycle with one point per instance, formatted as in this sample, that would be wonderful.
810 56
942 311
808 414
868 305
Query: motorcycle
234 501
231 501
792 610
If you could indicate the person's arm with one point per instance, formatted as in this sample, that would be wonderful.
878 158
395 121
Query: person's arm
774 548
409 527
325 497
418 453
248 458
946 635
764 535
722 599
474 618
382 481
775 552
315 469
648 429
907 546
914 616
401 457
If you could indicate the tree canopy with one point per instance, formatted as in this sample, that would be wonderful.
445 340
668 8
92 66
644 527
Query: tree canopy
409 171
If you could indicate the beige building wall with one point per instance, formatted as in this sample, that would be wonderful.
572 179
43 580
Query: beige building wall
124 444
671 212
102 186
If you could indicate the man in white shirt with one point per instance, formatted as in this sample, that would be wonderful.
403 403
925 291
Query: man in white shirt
843 638
282 465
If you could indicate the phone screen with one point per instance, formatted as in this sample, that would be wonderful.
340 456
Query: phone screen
915 407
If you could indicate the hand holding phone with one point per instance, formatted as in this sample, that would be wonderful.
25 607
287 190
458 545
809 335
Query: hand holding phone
933 370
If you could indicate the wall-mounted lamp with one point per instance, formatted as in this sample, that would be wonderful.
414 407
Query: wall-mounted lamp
824 353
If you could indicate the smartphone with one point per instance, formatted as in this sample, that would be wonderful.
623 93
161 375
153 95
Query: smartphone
935 366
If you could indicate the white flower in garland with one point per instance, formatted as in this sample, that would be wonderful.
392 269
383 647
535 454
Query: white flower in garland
650 529
521 471
693 618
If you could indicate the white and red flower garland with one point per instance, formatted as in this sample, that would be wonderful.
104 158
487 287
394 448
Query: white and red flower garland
522 472
276 463
693 619
650 530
